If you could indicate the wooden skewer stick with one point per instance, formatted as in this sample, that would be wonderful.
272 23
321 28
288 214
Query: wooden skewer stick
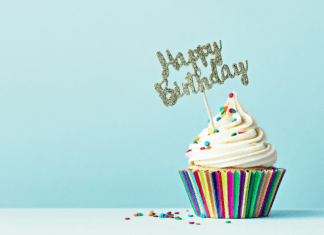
208 111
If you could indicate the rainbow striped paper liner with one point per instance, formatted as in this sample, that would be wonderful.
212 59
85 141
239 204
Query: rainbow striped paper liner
237 195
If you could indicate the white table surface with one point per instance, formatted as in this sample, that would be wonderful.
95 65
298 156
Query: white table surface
112 221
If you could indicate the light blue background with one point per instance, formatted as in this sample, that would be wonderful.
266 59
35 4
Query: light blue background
82 126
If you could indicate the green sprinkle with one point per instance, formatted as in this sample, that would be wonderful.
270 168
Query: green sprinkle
234 134
195 142
154 213
223 112
228 222
221 109
179 218
139 214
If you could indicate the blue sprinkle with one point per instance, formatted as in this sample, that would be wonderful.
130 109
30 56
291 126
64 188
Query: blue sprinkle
190 215
233 111
208 120
163 215
207 143
216 130
234 120
217 119
203 215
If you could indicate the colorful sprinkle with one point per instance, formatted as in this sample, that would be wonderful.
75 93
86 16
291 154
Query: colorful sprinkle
151 213
208 120
195 142
241 132
219 118
139 214
197 223
135 214
178 218
210 131
202 148
189 150
234 134
232 111
185 210
191 222
190 215
126 218
230 95
209 147
221 109
171 217
207 143
216 131
234 120
228 222
155 216
225 108
169 212
223 112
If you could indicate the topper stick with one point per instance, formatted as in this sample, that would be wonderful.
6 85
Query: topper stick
208 110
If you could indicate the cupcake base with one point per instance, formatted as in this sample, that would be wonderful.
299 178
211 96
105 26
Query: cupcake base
232 192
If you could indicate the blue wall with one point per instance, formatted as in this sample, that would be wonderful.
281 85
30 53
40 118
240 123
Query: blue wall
82 126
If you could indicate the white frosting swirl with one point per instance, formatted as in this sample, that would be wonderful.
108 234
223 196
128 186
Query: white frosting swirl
248 148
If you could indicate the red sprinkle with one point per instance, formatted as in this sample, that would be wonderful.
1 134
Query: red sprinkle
168 212
198 223
172 217
230 110
176 213
155 216
126 218
230 95
191 222
177 217
189 150
202 148
241 132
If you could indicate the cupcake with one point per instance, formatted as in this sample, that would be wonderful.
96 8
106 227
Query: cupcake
231 172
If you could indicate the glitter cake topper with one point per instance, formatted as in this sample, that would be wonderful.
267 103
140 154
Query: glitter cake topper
170 96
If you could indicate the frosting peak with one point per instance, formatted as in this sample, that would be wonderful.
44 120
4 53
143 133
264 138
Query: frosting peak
236 141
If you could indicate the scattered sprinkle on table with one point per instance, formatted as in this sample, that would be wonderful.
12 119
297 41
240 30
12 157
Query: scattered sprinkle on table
126 218
135 214
155 216
185 210
190 215
178 218
191 222
176 213
139 214
197 223
228 222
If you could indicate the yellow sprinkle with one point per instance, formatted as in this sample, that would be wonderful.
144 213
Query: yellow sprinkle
210 131
185 210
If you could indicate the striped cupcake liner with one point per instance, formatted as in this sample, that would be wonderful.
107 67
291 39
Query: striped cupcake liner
237 195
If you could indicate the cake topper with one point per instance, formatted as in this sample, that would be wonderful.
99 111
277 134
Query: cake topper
170 96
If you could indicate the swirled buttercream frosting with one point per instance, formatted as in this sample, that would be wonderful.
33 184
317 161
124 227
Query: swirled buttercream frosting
236 141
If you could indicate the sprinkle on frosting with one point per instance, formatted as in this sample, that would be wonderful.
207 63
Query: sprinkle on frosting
234 120
207 143
234 134
219 118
